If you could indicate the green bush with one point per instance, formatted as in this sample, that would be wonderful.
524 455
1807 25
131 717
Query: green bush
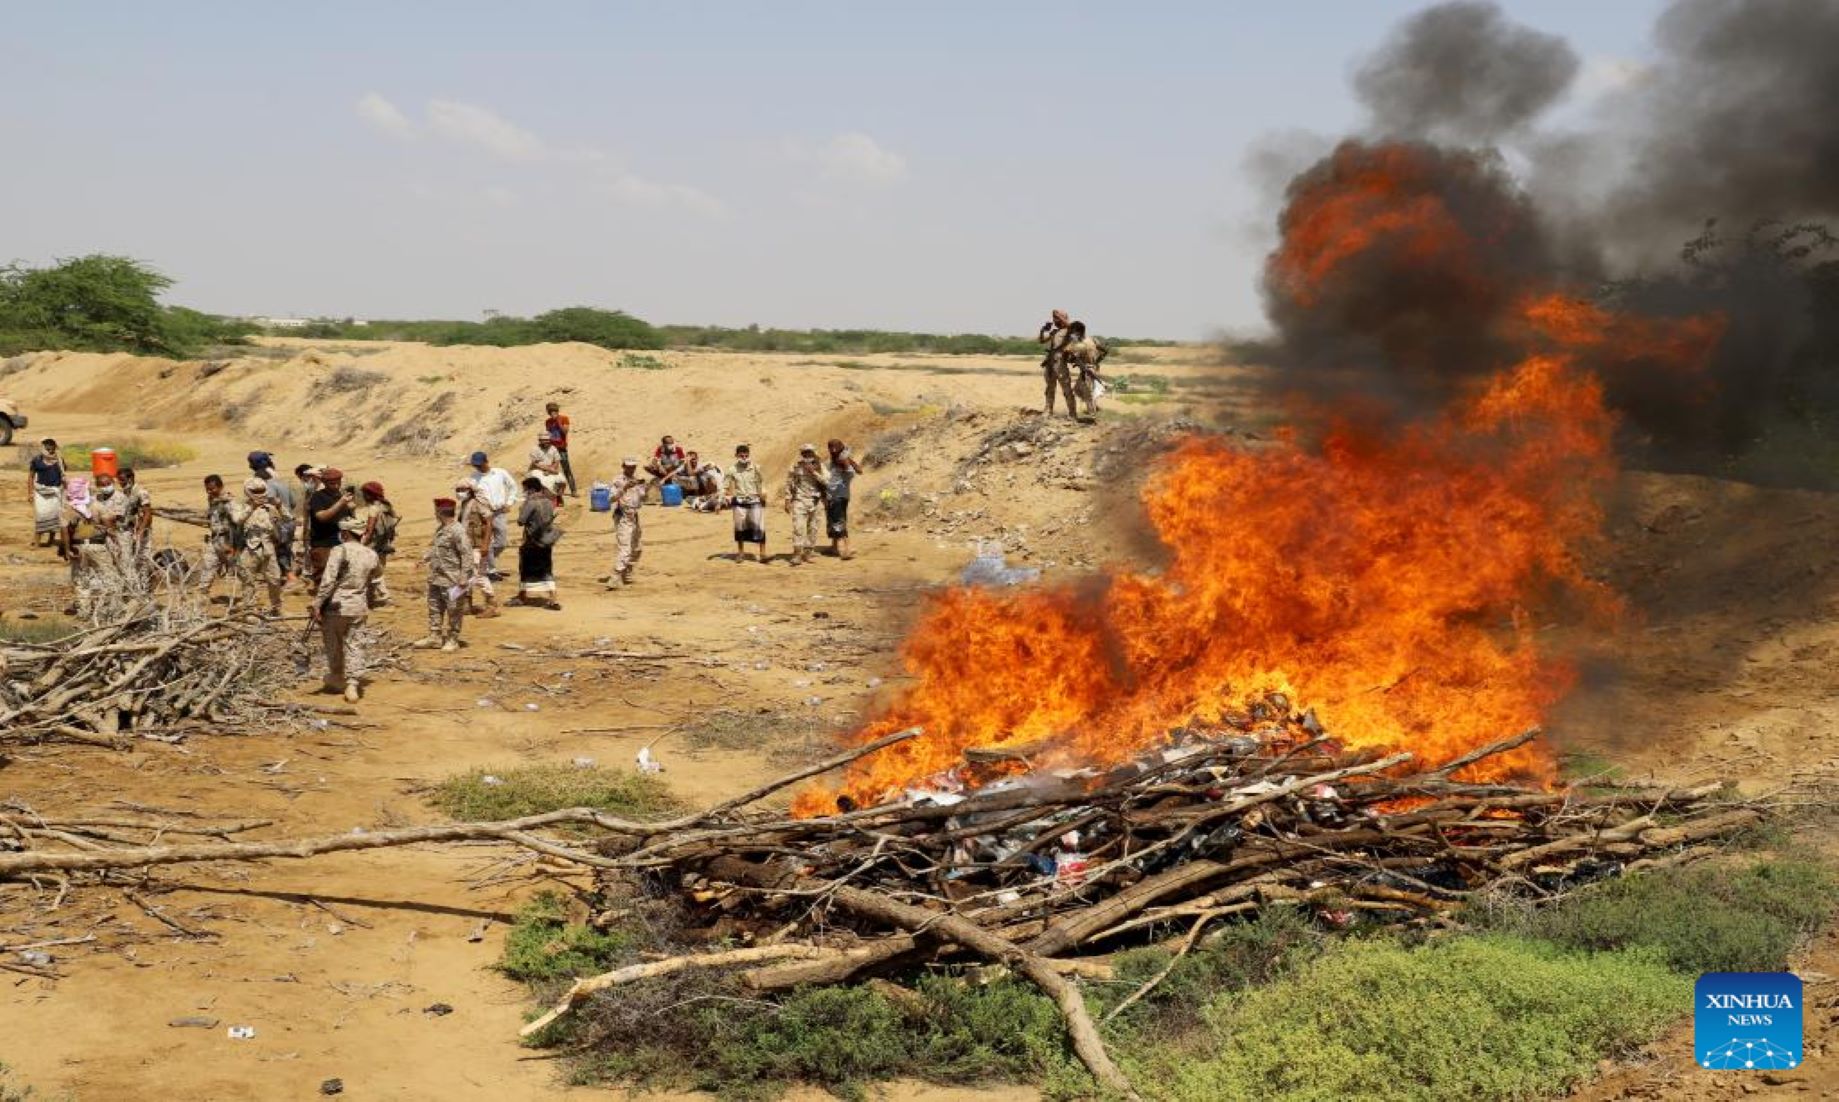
543 947
534 789
703 1032
1471 1018
136 452
1234 957
1706 918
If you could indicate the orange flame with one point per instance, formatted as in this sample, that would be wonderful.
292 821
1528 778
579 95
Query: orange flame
1392 582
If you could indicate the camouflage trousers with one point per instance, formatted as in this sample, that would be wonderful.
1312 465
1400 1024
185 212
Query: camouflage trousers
446 613
1058 374
807 523
259 565
628 541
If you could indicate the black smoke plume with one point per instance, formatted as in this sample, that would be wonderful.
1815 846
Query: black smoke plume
1702 189
1461 73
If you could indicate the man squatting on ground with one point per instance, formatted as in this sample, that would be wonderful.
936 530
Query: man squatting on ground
340 604
451 569
806 492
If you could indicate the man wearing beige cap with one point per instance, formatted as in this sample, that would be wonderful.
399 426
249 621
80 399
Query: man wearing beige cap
806 491
628 497
341 601
258 560
475 516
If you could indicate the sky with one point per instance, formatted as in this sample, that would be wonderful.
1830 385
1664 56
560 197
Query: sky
940 166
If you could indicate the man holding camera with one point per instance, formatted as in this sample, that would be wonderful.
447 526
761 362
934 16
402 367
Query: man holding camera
332 503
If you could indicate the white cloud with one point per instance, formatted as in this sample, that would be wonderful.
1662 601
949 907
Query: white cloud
384 116
470 124
858 158
481 128
638 191
851 158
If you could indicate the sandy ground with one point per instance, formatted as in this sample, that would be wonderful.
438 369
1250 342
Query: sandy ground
1724 669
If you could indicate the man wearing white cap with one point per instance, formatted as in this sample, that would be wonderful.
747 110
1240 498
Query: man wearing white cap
806 490
258 521
498 490
628 497
341 603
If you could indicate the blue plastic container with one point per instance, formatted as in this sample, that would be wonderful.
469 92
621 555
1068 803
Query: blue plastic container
671 494
600 498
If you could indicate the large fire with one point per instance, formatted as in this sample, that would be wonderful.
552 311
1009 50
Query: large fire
1393 580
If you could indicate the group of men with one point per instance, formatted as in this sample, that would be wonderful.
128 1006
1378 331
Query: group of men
335 539
101 525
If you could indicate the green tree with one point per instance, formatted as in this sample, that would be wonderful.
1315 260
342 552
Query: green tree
96 302
606 328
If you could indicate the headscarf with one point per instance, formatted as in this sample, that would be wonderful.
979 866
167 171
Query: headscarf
255 487
76 495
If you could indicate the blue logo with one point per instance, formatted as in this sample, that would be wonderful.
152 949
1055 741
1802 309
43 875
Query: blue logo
1747 1020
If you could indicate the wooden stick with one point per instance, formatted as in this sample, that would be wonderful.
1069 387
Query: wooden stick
1079 1026
1149 985
632 973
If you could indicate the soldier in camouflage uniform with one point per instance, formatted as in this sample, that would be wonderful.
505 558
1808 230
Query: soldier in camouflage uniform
475 519
628 498
1056 334
1084 355
451 569
258 561
806 491
220 542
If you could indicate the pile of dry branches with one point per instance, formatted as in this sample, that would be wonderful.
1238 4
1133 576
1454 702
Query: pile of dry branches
151 669
1213 824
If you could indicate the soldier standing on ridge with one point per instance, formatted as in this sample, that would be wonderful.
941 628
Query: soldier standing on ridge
1054 334
806 492
1083 355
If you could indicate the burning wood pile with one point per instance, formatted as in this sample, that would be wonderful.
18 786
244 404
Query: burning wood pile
151 669
1046 870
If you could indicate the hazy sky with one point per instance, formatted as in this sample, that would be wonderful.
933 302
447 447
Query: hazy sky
926 165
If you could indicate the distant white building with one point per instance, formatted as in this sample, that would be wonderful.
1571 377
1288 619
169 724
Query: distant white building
282 323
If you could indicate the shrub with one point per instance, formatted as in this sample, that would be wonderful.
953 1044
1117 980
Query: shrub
1234 957
141 454
704 1031
544 948
640 362
35 632
345 379
1471 1018
1704 918
533 789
